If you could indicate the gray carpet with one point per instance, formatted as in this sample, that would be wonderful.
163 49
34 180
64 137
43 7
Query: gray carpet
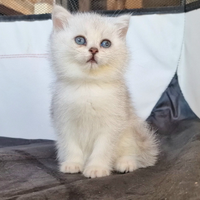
28 171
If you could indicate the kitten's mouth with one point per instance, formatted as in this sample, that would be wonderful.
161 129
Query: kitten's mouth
92 60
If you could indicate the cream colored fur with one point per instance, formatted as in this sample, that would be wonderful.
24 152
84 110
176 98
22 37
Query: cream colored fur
96 125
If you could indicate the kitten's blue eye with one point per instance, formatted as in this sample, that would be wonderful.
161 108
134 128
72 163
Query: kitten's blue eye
105 43
80 40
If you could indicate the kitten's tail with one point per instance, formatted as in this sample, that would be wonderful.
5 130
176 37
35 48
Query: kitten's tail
148 148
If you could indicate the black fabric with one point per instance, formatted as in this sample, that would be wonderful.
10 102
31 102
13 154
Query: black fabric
170 109
28 168
25 18
6 142
193 6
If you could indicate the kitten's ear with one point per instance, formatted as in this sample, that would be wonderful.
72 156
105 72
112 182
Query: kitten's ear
60 17
122 23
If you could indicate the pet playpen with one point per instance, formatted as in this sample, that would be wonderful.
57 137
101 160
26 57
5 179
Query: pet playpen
163 79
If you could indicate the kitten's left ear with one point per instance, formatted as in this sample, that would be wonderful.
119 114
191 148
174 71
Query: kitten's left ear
122 23
60 17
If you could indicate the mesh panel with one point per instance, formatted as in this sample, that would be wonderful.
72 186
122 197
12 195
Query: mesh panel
87 5
29 7
25 7
190 1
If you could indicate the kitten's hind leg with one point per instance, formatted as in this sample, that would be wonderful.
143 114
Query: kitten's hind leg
125 164
137 148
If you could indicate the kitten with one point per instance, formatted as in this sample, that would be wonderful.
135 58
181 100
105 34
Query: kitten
97 128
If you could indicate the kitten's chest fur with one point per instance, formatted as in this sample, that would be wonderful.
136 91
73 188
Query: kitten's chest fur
87 97
88 103
88 110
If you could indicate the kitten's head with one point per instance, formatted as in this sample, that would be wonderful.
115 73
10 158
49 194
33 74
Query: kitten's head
88 45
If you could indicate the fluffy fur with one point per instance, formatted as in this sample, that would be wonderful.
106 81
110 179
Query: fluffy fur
97 128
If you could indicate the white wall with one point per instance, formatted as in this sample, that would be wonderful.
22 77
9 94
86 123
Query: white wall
189 68
25 79
155 42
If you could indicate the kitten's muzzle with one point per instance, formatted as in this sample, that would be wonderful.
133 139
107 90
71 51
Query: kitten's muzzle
92 60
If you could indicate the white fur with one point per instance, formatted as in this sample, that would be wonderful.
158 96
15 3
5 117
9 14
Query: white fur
97 129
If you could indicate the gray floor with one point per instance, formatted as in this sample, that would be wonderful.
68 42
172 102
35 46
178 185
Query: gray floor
28 170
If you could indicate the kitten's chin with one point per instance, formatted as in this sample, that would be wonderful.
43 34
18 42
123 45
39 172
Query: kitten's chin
91 65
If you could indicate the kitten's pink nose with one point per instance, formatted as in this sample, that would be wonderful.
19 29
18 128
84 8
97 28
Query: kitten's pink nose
93 50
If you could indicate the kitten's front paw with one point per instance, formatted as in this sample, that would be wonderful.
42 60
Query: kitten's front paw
96 171
125 164
71 167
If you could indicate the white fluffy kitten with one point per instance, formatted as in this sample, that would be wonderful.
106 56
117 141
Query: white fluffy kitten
97 128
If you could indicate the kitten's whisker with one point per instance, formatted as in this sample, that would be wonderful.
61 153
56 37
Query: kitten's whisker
113 13
118 12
